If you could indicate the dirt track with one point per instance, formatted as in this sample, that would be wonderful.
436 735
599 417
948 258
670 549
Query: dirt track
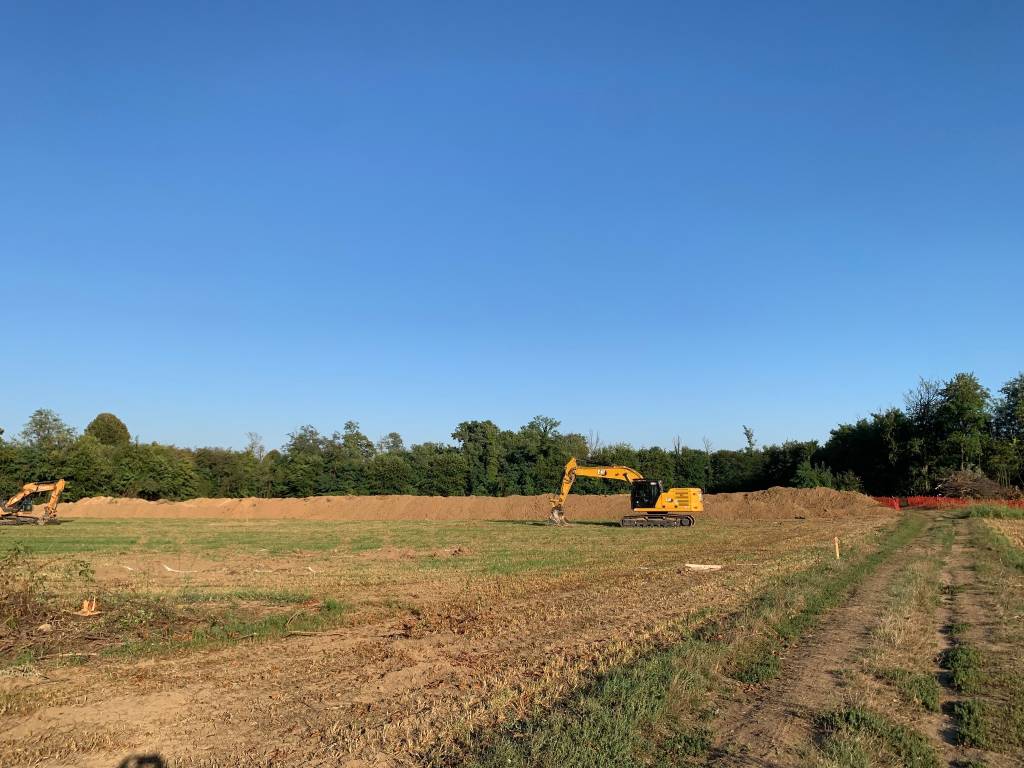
772 504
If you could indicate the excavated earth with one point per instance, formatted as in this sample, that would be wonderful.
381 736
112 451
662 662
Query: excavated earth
772 504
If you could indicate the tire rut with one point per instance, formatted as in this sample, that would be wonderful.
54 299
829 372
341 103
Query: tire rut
775 729
943 725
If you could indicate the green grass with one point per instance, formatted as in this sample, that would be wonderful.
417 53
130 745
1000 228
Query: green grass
655 711
512 561
245 594
604 728
229 628
858 737
996 548
487 548
915 687
993 510
972 723
365 543
964 663
992 670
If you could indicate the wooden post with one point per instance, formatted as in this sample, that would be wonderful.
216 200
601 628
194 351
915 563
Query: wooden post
835 541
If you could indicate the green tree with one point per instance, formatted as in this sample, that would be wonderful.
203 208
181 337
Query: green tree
874 449
964 419
45 430
439 470
390 473
109 430
748 435
153 471
481 445
924 447
89 469
690 466
302 470
254 446
810 475
782 461
357 442
391 443
224 473
1004 462
738 470
1008 411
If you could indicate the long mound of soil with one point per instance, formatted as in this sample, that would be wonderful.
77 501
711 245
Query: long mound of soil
772 504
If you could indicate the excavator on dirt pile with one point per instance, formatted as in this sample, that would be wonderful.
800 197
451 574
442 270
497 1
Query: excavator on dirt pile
654 507
17 509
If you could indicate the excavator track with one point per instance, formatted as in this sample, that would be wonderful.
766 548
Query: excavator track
27 520
657 521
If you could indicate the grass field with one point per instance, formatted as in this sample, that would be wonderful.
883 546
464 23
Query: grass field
511 643
209 581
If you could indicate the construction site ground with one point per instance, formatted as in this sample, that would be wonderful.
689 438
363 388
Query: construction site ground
332 638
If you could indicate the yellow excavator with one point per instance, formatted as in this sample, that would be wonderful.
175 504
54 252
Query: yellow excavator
18 508
652 505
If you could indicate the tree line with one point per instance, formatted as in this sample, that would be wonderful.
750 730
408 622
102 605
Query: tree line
944 427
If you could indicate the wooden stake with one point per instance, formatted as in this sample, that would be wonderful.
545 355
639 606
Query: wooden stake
835 541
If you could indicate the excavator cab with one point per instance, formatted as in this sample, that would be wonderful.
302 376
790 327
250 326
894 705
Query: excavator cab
645 494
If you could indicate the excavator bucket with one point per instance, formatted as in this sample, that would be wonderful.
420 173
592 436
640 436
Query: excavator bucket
557 516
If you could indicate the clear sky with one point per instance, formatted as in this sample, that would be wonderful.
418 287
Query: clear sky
644 219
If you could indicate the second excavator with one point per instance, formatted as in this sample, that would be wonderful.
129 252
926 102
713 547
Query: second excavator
18 508
652 505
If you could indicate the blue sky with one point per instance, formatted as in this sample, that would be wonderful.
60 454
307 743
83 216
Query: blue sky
644 219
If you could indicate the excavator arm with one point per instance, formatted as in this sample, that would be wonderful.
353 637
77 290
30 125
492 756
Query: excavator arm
16 503
574 470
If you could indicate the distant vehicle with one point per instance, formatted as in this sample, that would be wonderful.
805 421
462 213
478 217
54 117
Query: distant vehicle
658 508
18 508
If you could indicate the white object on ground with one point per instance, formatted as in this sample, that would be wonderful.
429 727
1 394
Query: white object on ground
174 570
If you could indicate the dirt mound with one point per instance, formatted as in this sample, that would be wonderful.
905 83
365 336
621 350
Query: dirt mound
787 503
772 504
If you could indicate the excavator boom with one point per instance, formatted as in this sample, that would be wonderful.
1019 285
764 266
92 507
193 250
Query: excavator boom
574 470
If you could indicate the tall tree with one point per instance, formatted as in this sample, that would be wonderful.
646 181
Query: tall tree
354 440
109 430
254 445
922 408
481 445
1008 411
964 418
391 443
45 430
390 473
